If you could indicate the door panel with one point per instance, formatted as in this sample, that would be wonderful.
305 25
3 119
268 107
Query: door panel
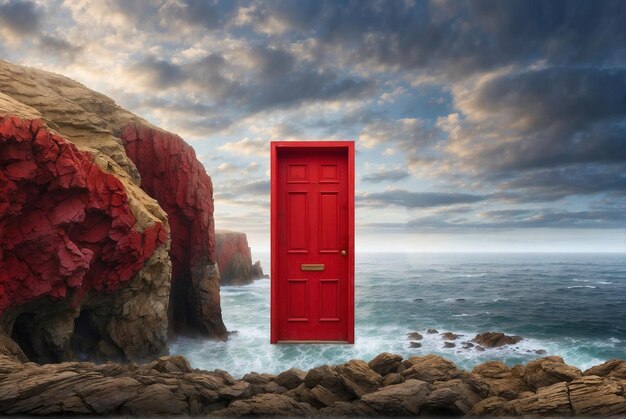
297 234
312 227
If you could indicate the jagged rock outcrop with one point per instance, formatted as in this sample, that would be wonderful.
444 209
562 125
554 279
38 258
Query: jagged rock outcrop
70 231
234 259
257 271
169 386
85 265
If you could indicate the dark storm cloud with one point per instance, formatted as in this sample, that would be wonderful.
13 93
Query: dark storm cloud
515 219
458 37
166 18
552 117
386 175
204 13
408 199
20 17
275 80
532 219
552 184
159 73
58 48
25 21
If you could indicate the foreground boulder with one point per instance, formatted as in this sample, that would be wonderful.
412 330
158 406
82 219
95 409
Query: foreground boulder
405 399
87 252
549 370
169 386
385 363
430 368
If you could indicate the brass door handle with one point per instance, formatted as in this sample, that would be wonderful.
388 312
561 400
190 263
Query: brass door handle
343 253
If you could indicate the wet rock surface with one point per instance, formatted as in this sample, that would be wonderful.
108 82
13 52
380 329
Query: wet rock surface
433 387
495 339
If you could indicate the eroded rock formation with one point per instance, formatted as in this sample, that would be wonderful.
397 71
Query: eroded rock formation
85 260
234 259
171 173
435 387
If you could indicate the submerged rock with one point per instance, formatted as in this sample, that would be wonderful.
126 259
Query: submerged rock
414 336
449 336
495 339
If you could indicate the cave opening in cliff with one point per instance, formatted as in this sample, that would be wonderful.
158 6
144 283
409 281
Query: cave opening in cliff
23 330
85 337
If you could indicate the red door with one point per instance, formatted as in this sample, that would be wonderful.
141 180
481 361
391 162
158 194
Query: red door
312 227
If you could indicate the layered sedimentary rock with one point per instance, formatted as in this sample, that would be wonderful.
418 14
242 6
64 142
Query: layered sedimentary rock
234 259
169 386
85 261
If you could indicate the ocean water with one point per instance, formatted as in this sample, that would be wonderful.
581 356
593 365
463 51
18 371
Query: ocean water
571 305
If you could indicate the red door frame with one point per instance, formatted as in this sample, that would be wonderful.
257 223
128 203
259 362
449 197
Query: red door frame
276 147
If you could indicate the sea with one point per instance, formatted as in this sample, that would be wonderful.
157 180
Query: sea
570 305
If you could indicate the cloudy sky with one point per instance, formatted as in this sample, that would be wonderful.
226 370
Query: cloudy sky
479 125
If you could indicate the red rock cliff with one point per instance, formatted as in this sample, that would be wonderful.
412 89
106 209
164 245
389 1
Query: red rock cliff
66 224
233 258
85 260
172 174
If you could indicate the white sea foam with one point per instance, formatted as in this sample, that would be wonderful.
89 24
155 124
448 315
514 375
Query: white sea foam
251 351
604 282
382 323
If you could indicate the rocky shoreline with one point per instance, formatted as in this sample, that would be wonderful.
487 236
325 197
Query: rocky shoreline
386 386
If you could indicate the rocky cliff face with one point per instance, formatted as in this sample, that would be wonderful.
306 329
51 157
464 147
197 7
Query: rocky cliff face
234 259
85 255
386 386
171 173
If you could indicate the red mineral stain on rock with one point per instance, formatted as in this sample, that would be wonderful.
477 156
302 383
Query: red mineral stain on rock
171 173
65 224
